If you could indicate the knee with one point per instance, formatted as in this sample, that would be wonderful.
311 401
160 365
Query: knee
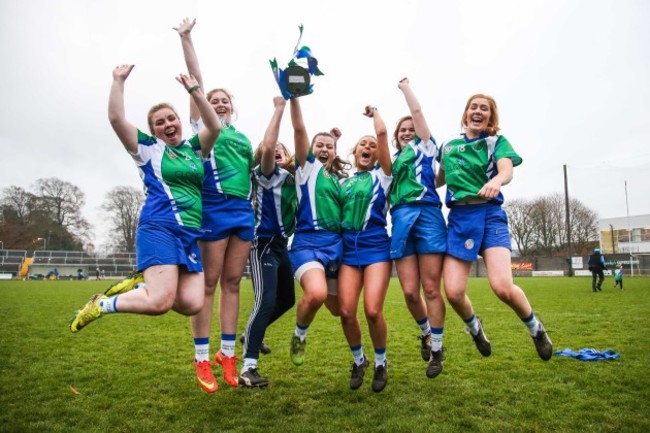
504 292
373 315
455 297
161 305
348 317
412 297
348 313
432 291
190 308
230 283
313 300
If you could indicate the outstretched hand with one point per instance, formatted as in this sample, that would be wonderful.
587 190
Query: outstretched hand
188 81
121 73
185 27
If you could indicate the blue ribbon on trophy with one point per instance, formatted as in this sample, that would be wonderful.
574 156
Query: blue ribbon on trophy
294 81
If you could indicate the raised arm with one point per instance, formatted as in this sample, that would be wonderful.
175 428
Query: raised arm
126 132
271 137
184 30
382 139
420 124
300 137
209 134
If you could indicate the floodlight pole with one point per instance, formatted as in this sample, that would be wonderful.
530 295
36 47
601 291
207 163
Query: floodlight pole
567 221
629 230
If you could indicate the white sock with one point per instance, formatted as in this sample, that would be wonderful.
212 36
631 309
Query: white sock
228 347
357 353
436 339
108 305
424 326
248 364
532 324
472 324
201 349
300 332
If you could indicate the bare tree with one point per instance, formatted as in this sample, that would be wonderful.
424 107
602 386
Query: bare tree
61 202
122 205
545 218
522 231
584 227
17 204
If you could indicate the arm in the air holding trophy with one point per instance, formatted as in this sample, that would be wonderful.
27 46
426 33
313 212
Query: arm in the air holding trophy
126 132
184 30
383 154
300 137
420 124
271 135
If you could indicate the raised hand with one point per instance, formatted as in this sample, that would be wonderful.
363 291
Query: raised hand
185 27
403 83
369 111
121 73
279 102
188 81
336 133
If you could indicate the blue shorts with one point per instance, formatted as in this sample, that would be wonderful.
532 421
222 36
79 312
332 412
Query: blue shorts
161 243
417 229
228 215
317 246
476 227
366 247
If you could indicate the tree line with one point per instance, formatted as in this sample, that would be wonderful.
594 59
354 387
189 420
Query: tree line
538 226
49 216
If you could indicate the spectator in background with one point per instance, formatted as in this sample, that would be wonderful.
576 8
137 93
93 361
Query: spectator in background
596 266
618 276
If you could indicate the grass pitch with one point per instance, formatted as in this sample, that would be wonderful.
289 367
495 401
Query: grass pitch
130 373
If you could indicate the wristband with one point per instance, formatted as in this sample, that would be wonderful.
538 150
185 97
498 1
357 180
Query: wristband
193 88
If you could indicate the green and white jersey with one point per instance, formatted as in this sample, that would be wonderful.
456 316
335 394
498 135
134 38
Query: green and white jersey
228 170
275 203
364 200
414 173
318 197
173 178
470 164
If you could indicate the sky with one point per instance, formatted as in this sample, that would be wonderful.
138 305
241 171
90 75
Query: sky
570 78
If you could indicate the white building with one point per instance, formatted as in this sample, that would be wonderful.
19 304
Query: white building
625 235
